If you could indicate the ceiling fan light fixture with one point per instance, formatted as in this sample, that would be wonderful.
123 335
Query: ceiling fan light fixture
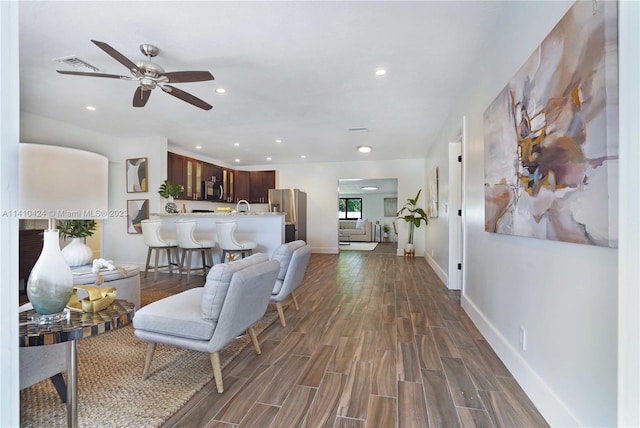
364 149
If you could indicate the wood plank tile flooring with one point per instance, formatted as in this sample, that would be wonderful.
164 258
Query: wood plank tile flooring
378 342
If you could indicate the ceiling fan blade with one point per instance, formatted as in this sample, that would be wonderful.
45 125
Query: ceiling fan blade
185 96
119 57
141 97
92 74
187 76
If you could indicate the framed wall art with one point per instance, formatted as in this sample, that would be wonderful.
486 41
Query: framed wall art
137 177
432 195
390 207
551 136
137 210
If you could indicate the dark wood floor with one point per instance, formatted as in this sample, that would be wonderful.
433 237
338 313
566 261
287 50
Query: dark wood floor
378 342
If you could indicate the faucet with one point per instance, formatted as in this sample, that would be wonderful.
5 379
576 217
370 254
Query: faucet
241 201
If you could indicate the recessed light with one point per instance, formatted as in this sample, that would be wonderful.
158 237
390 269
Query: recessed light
303 157
236 144
369 187
364 149
278 141
221 91
269 158
237 160
198 147
381 72
90 108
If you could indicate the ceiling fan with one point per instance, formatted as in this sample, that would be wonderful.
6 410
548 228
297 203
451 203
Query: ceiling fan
150 75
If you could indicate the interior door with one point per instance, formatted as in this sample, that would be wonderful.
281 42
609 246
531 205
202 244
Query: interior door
455 217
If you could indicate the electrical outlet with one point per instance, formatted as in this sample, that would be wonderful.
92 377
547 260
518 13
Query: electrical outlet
522 338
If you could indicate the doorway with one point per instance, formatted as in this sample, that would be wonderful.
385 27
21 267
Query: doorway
373 201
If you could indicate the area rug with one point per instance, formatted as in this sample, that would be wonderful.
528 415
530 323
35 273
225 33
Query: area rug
358 246
111 392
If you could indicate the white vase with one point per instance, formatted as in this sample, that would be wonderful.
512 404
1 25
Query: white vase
50 283
77 253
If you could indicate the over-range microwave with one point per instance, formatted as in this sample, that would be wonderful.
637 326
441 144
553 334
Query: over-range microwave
212 191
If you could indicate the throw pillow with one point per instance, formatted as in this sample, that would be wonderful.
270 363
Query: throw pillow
361 223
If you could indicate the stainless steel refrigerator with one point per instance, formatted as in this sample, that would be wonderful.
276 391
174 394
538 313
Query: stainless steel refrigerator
293 203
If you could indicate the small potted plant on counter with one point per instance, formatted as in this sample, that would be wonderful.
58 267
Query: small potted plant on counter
169 191
77 253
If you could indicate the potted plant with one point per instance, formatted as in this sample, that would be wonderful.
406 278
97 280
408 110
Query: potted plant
412 215
385 231
77 253
169 191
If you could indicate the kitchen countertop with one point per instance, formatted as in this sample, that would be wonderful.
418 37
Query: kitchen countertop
219 214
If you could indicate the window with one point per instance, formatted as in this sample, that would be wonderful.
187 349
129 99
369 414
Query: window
350 208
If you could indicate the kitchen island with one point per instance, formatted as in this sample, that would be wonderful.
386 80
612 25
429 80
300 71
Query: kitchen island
264 228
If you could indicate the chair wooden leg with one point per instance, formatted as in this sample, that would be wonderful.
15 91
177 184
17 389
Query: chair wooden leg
217 370
169 260
281 314
177 258
151 348
210 252
182 255
146 266
254 339
155 271
204 263
189 264
295 301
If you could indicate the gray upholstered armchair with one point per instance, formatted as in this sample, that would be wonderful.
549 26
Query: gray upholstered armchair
294 258
234 297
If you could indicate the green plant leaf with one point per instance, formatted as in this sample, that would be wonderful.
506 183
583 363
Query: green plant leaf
76 228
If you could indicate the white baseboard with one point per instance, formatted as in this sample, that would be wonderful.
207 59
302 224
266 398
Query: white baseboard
437 269
542 396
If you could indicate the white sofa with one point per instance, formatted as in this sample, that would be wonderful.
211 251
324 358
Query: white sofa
356 230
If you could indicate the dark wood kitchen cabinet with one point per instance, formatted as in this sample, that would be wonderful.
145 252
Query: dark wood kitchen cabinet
242 185
260 183
186 172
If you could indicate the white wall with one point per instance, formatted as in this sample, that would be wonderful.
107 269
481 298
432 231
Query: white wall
629 257
320 180
9 131
118 245
565 295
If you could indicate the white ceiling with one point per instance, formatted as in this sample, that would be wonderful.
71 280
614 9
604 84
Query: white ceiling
387 186
302 72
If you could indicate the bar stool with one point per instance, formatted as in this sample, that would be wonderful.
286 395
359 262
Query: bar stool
185 230
155 241
227 241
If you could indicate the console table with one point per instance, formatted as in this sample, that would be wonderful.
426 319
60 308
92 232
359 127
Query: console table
77 326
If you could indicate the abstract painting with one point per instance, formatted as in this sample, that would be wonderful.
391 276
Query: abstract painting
136 175
551 137
390 207
137 210
432 193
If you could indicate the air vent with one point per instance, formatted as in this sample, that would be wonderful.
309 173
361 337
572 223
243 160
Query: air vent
357 129
76 63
